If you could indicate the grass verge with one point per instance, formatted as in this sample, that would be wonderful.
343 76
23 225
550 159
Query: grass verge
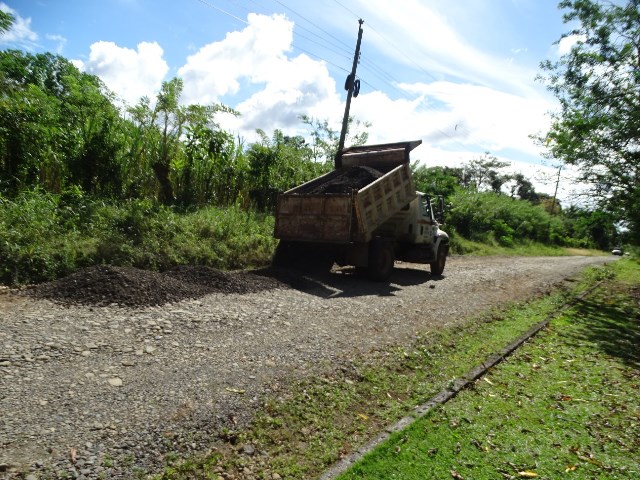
45 236
565 405
461 245
315 422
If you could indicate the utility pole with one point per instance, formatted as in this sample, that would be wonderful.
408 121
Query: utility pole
351 81
553 204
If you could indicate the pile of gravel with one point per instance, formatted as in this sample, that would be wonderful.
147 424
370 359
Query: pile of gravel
354 178
132 287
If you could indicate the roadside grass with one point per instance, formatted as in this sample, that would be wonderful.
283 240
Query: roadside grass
526 248
565 405
45 236
311 424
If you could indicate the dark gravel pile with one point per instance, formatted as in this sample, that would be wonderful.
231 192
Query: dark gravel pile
126 286
216 281
354 178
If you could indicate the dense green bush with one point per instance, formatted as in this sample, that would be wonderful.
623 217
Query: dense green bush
45 236
491 217
38 239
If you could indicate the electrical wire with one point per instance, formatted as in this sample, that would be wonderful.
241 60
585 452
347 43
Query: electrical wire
370 66
223 11
311 23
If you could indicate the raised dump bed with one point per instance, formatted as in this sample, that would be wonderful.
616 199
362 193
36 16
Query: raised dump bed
349 203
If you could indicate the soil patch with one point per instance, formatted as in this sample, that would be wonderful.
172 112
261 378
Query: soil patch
352 179
132 287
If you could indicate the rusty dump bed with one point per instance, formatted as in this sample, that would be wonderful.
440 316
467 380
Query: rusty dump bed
354 216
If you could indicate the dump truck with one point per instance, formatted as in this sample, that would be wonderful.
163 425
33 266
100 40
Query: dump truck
365 213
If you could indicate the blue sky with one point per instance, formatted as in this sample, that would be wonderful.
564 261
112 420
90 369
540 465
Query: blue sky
460 75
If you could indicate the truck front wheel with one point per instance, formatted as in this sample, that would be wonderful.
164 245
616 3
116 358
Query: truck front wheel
437 267
381 259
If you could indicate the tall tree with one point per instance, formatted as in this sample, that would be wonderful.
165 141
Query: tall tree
597 83
483 173
58 126
157 140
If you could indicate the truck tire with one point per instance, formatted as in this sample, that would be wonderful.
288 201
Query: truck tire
381 259
437 267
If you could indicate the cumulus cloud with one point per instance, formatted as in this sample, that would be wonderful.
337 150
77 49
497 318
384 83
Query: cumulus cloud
456 114
301 86
131 74
254 54
255 67
20 33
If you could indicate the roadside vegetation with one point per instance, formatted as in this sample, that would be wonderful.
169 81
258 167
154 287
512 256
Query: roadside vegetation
566 402
85 180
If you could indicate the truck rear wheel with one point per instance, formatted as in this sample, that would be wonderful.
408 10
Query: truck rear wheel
381 259
437 267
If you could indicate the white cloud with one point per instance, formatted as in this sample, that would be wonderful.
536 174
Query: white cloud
131 74
567 43
271 88
20 33
254 53
301 86
456 114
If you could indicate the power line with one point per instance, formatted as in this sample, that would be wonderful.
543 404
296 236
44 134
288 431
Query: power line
312 23
223 11
344 49
371 66
347 9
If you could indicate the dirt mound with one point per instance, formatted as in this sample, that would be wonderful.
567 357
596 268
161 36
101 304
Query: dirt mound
354 178
126 286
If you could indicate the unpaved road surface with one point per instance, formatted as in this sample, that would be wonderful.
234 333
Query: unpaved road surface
91 391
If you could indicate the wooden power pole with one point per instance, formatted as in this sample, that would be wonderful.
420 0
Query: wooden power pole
555 194
351 82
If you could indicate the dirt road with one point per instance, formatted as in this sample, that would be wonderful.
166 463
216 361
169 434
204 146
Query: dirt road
98 391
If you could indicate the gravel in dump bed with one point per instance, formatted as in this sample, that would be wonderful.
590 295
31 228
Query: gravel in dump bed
132 287
354 178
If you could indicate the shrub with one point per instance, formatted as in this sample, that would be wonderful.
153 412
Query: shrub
477 215
45 236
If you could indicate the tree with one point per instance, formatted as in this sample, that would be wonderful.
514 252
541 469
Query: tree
437 180
483 174
157 139
279 163
6 21
524 189
325 140
597 84
58 126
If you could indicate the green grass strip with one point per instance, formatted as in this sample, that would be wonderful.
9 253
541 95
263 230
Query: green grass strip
565 405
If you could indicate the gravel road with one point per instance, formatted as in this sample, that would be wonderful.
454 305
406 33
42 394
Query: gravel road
99 391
